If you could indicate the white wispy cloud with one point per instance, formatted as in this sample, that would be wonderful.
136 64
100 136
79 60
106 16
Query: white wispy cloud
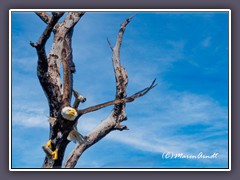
30 115
164 120
206 42
159 131
154 128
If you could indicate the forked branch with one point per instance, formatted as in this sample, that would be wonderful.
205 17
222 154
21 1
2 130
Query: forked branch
112 122
47 32
52 90
66 54
78 99
118 101
49 72
67 73
44 16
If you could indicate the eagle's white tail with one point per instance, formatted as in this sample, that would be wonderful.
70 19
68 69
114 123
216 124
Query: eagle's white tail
76 137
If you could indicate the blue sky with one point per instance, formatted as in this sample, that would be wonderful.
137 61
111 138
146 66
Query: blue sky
187 112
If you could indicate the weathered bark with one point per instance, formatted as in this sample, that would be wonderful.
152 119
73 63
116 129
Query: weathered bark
46 70
44 16
49 69
59 95
67 63
78 99
118 114
119 101
62 50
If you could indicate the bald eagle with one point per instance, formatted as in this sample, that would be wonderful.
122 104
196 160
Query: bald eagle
70 114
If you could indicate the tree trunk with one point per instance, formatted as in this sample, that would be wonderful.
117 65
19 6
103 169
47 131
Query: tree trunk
59 94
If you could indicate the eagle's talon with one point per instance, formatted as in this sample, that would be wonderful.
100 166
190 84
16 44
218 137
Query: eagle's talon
55 154
49 144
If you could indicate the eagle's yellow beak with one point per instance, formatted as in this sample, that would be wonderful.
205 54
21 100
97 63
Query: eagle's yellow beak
69 113
72 112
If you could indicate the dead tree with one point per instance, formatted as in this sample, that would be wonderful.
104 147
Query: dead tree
59 94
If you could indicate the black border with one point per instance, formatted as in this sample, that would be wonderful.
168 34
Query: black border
173 4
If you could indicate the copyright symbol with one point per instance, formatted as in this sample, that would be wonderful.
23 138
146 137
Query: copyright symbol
166 155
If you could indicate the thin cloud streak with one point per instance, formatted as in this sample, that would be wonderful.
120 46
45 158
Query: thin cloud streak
157 133
163 120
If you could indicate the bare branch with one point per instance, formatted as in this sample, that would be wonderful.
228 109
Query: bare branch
118 114
47 32
99 106
120 76
49 75
120 35
51 90
67 74
118 101
144 91
48 151
121 127
66 54
120 72
110 45
69 22
78 99
55 13
33 44
106 126
44 16
97 134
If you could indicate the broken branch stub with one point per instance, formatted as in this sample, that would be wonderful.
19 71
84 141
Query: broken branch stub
112 122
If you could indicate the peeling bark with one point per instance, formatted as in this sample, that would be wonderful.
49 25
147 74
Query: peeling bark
67 70
118 114
49 70
44 16
59 94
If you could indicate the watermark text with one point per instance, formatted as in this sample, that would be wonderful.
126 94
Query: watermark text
200 155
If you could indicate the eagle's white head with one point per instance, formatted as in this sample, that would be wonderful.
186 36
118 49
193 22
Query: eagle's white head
69 113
